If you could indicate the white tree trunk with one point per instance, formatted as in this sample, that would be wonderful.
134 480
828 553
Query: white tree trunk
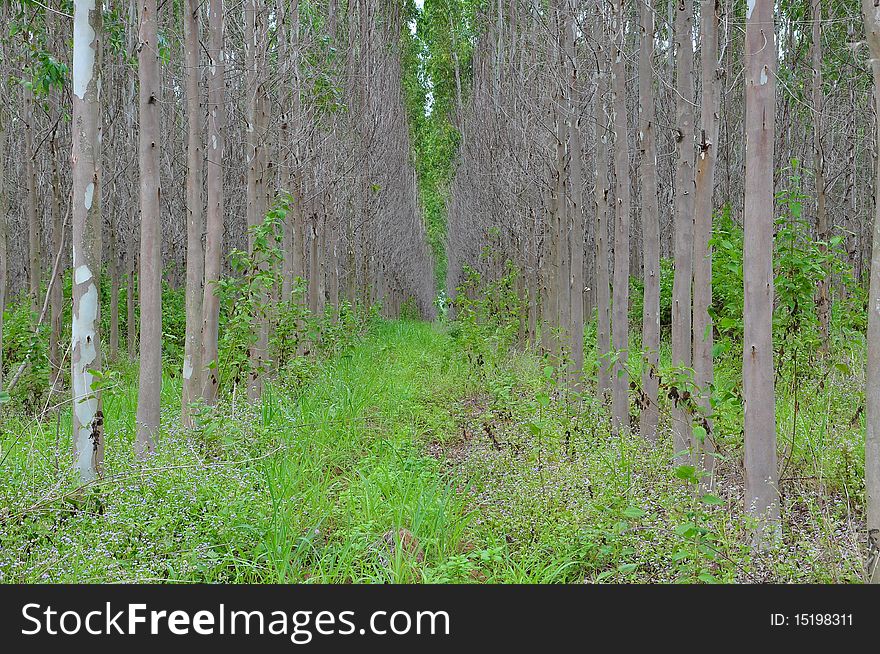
88 432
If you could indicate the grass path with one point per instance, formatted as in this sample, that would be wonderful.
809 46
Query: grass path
401 459
357 497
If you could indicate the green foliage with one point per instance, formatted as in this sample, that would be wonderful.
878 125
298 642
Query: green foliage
488 314
444 33
246 295
637 293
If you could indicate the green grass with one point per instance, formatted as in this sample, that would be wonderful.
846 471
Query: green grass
406 459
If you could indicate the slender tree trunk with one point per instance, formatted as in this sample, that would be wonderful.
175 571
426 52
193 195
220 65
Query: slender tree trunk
293 232
113 265
602 190
649 414
684 222
761 474
214 188
872 383
150 278
88 420
4 218
192 364
620 310
823 295
703 207
257 124
130 292
33 219
56 298
577 203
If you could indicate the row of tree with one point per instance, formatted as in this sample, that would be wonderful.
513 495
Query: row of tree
599 138
235 113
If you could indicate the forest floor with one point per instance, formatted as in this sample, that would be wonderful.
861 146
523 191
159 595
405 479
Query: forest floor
403 459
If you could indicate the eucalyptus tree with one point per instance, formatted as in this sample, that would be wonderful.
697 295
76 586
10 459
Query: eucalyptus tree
195 257
823 294
215 209
620 308
683 220
602 193
88 421
761 473
871 14
575 173
150 277
707 144
650 216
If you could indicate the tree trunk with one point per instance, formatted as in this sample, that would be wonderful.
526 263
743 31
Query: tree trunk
192 365
130 292
577 204
761 474
649 414
602 190
823 296
684 223
33 219
150 278
214 189
620 310
872 381
85 345
703 208
4 218
56 298
257 124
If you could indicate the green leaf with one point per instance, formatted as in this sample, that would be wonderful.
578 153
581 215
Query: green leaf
627 568
4 397
633 512
712 499
687 473
543 399
548 372
686 530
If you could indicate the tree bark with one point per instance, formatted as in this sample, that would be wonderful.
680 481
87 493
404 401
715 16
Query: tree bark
872 382
761 474
56 298
214 189
577 204
192 364
620 309
35 271
703 208
649 414
823 295
4 220
88 421
150 278
684 223
602 190
257 124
